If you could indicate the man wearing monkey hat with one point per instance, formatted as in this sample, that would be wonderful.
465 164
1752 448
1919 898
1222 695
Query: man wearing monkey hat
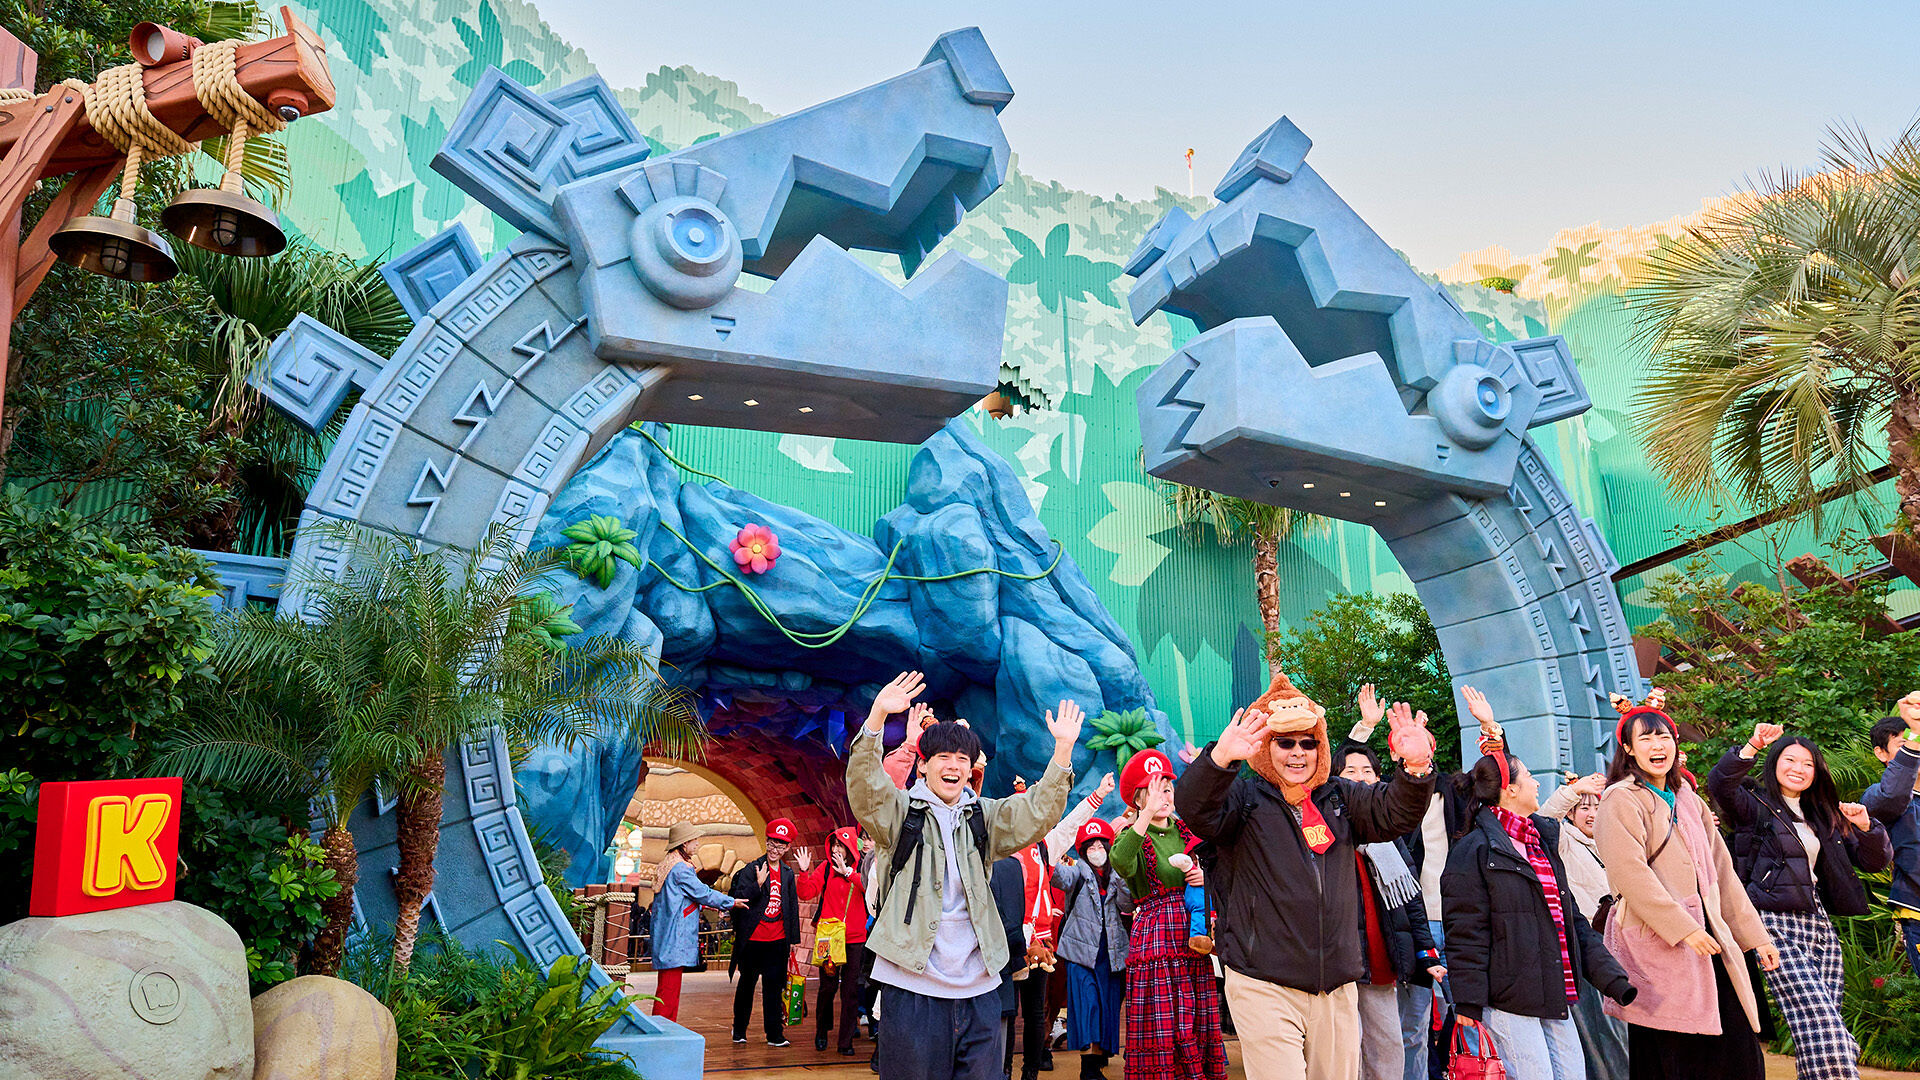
1285 875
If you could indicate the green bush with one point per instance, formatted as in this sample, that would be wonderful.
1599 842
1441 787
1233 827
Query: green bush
1809 659
104 640
468 1016
1386 640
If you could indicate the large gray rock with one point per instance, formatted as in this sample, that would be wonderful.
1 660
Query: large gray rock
318 1028
156 992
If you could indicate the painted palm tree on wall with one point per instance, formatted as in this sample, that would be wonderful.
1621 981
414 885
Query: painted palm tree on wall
1785 333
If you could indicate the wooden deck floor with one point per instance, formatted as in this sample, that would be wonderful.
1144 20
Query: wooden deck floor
706 1006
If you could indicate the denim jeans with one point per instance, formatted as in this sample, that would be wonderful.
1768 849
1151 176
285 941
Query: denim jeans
1536 1049
1910 933
1416 1027
929 1038
1602 1037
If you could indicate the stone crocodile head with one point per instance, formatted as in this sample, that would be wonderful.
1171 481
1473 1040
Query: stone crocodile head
830 346
1329 376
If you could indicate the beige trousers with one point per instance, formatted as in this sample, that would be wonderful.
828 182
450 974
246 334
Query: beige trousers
1288 1034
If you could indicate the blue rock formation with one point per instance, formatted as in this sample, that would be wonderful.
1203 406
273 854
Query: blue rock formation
1000 649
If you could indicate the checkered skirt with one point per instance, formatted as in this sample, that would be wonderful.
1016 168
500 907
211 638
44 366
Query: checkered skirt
1173 1007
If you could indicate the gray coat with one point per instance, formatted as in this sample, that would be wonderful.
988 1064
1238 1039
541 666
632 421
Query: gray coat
1086 908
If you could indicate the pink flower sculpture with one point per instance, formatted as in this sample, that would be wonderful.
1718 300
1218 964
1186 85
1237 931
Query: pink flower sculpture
755 549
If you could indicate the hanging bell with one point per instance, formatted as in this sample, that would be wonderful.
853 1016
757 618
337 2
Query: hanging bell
117 246
224 219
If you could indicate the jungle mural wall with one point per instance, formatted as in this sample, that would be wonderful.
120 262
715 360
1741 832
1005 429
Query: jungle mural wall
403 68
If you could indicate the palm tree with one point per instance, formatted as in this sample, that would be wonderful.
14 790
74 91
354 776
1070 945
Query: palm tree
252 301
1195 508
468 642
304 708
1785 334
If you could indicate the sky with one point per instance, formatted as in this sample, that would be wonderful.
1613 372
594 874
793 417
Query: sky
1448 126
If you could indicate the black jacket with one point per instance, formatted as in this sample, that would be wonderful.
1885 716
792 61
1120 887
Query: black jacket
1768 854
1288 916
1406 932
1008 883
1502 949
746 885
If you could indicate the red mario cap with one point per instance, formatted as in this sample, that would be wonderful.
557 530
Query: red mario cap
1142 767
781 829
1094 829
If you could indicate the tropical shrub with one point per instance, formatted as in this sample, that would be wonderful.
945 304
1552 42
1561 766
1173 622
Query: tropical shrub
1811 659
463 1015
1384 639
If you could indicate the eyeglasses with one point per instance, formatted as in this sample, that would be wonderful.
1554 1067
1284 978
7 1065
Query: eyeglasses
1287 742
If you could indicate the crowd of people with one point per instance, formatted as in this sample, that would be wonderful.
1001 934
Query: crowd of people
1343 916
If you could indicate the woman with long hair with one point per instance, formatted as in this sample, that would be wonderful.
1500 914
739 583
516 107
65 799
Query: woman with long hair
1681 920
1796 846
674 918
1093 942
1517 944
1173 1009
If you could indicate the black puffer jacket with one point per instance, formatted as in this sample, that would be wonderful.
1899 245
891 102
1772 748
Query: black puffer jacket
1771 860
1409 940
1288 916
1503 951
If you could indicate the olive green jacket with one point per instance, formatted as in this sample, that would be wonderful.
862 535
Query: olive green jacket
1012 823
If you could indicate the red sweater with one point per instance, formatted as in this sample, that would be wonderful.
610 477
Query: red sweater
846 898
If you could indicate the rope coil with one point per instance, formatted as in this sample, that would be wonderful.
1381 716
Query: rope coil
216 83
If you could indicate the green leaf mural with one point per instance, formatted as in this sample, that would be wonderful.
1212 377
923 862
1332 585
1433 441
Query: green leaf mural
1057 274
487 47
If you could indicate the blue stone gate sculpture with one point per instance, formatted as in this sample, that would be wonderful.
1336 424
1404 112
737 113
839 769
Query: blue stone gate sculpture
1331 378
620 301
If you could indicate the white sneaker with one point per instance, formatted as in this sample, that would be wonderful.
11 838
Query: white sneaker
1059 1030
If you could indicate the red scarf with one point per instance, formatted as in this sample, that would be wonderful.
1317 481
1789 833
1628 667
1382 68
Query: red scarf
1522 830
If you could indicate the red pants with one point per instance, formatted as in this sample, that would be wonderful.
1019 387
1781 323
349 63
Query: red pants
668 1007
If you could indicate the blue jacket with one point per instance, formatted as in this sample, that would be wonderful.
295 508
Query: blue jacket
1891 800
675 917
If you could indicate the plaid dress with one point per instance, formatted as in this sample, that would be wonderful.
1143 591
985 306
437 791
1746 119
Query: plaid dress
1173 1007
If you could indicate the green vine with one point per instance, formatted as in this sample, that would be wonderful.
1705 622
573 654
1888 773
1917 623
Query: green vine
804 639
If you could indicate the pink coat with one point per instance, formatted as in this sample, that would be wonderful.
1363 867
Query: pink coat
1691 885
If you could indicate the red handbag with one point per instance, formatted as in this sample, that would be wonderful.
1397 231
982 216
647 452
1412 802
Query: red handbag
1464 1064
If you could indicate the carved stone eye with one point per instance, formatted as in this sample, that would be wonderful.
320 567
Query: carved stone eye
1472 405
686 252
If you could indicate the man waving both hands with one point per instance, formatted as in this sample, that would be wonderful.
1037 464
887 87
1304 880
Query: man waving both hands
1286 878
937 939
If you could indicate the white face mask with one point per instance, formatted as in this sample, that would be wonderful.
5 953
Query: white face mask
1097 855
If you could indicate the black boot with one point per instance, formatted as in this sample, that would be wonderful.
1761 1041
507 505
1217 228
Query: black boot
820 1043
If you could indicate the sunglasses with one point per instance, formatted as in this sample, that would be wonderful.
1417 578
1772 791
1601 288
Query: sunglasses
1287 742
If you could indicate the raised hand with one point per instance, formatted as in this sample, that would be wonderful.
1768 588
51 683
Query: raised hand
919 716
897 696
1856 815
1104 789
802 859
1242 737
1594 784
1764 735
1371 708
1410 742
1478 707
1909 707
766 867
1064 724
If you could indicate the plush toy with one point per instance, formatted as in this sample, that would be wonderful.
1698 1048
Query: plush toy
1195 900
1039 956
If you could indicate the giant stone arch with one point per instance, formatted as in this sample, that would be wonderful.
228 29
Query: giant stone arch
1331 378
620 301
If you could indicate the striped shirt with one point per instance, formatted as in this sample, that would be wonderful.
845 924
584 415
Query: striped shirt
1523 832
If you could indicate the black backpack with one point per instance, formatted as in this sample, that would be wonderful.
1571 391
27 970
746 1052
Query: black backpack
910 843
